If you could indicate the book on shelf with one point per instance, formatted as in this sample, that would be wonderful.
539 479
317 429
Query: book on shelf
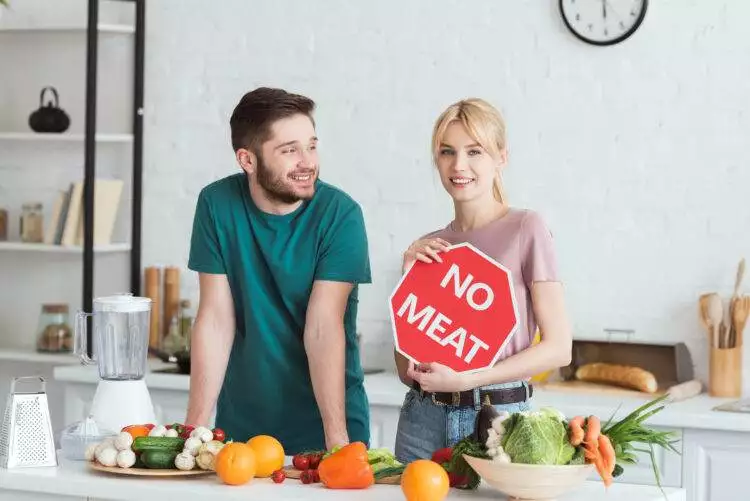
66 224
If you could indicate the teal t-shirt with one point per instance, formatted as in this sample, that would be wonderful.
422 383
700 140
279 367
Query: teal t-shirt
271 262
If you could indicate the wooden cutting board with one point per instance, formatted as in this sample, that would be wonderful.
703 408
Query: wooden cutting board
292 472
587 387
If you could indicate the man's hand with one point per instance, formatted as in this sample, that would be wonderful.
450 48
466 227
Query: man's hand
325 342
211 342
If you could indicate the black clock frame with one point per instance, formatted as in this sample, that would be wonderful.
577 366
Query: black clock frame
614 41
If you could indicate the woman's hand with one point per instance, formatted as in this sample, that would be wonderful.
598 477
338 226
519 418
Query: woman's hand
434 377
425 250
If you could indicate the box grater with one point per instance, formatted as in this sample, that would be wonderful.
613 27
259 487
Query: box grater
26 432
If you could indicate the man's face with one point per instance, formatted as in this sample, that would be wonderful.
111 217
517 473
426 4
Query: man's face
288 162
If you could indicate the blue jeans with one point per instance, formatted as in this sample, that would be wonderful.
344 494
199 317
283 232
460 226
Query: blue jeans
424 427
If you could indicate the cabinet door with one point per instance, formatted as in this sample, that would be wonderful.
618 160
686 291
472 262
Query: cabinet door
383 424
669 465
33 496
716 465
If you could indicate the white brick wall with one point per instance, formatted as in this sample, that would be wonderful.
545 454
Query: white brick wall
617 147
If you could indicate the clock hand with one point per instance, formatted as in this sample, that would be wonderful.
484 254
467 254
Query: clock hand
604 9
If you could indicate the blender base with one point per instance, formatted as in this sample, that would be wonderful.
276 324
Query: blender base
118 404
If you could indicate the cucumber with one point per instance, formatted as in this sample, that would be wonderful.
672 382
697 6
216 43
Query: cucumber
159 459
142 444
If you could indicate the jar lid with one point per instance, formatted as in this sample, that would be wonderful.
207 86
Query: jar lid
55 308
122 303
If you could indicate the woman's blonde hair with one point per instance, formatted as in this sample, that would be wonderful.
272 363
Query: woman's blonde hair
483 122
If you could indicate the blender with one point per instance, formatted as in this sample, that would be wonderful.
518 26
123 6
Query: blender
120 347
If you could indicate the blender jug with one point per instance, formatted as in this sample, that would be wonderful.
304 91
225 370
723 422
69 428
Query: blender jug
120 339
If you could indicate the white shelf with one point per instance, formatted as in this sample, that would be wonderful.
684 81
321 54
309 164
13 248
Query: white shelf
21 355
60 249
65 136
117 29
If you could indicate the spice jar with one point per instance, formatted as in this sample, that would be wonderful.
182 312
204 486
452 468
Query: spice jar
55 334
31 223
3 225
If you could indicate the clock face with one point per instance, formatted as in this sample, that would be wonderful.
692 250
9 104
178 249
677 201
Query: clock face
603 22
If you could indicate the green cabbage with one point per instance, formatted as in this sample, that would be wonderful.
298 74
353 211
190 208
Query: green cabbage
539 437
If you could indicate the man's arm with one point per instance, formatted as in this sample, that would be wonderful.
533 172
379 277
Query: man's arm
325 341
211 342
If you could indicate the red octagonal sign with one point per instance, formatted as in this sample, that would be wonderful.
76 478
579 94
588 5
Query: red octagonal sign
461 312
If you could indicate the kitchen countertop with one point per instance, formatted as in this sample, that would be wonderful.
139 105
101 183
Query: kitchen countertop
385 389
73 478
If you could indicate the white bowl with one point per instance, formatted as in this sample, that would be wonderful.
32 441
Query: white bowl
530 481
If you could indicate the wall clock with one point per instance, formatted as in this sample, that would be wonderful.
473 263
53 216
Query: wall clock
603 22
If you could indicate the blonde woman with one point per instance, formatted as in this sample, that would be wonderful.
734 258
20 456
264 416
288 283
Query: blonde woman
469 151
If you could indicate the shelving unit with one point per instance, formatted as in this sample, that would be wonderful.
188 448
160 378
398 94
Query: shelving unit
60 249
90 29
36 136
115 29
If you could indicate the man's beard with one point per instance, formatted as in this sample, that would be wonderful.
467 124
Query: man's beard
274 186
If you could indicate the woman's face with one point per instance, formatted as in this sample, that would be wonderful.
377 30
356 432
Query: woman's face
467 170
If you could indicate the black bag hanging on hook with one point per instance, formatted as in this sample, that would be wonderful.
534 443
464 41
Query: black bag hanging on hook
49 118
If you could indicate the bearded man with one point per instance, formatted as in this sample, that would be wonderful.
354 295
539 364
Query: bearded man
279 254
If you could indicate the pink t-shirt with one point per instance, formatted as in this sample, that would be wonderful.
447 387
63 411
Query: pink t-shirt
520 241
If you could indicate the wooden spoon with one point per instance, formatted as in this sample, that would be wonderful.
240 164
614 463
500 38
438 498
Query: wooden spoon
740 313
703 302
732 339
715 316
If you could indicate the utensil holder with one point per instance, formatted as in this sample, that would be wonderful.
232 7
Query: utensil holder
725 372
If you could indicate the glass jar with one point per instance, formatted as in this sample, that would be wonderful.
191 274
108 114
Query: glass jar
31 223
55 334
3 225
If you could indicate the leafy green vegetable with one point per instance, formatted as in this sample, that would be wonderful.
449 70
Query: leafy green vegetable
537 438
458 465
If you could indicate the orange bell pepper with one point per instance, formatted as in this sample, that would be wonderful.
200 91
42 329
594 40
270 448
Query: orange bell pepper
347 468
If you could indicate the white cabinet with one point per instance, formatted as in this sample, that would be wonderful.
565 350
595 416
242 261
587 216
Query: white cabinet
716 465
31 496
383 424
669 465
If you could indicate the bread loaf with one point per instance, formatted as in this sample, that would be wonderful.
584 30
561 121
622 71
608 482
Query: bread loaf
619 375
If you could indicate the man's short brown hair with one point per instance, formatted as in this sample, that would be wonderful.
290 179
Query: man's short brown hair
257 111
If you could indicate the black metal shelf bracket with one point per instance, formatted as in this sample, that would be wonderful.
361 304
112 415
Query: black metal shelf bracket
92 45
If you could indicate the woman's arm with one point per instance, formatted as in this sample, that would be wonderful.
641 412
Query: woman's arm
552 352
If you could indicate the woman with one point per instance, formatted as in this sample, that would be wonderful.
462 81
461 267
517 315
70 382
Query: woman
470 152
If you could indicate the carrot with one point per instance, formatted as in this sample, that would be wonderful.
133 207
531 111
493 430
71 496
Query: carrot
593 429
607 453
576 431
601 468
591 438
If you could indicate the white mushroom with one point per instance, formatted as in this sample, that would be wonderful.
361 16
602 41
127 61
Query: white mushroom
193 445
125 458
123 441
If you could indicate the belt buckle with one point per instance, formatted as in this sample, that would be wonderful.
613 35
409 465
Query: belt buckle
434 400
456 398
526 387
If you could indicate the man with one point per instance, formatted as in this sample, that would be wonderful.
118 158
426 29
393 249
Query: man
280 254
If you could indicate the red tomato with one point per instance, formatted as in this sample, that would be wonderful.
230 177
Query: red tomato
186 430
149 426
301 462
316 476
278 476
219 434
307 477
314 460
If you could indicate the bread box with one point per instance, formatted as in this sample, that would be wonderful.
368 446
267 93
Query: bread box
626 367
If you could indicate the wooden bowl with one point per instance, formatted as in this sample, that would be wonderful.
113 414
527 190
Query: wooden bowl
530 481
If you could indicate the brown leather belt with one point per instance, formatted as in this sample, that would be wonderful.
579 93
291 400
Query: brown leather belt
497 396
